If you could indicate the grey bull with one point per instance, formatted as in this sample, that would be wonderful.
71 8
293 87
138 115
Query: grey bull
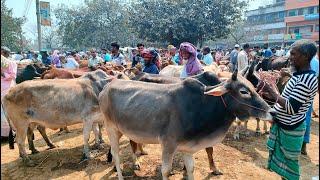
54 104
186 116
207 78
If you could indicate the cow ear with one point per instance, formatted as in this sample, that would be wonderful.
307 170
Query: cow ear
217 91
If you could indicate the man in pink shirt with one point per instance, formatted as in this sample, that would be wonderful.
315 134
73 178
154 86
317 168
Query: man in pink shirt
8 77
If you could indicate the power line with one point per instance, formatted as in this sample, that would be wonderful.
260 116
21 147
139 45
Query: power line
26 7
29 5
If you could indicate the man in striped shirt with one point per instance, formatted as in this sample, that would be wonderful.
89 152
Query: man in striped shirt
288 128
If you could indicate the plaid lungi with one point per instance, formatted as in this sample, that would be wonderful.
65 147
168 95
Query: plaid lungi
284 149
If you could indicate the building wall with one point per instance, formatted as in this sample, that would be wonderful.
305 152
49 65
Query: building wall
265 10
302 20
266 24
284 21
294 4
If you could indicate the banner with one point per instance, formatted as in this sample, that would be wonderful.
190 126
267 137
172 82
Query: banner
295 36
45 19
311 16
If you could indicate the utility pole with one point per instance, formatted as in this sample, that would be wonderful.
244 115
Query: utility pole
38 24
21 40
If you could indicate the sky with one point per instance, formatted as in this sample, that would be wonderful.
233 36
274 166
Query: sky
30 27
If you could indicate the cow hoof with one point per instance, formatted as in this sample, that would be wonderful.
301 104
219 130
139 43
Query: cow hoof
267 132
52 146
114 169
217 173
236 137
84 158
34 151
136 167
109 157
28 162
142 153
101 141
11 146
96 146
258 133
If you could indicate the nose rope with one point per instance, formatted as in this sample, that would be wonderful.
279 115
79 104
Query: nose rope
225 104
264 84
241 103
247 104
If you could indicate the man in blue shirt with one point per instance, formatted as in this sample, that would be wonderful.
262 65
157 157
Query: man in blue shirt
266 51
234 56
105 55
150 57
314 65
207 57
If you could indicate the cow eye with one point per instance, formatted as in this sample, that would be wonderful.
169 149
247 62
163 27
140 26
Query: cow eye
244 91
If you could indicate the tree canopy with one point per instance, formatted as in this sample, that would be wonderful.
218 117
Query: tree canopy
96 24
99 22
11 31
176 21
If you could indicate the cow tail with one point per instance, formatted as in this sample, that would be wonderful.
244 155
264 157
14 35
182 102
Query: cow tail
11 138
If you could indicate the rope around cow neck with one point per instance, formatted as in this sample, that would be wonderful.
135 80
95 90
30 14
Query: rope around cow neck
240 102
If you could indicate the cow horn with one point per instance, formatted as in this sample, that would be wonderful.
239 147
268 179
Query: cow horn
243 71
234 74
252 67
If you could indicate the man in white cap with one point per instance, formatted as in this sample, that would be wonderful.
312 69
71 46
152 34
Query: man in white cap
234 56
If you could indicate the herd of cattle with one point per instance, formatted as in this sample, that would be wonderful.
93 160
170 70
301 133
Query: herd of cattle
184 115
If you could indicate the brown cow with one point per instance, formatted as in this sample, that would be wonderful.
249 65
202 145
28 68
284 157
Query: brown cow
54 104
57 73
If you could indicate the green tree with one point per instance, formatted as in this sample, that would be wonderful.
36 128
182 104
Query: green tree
96 24
11 31
175 21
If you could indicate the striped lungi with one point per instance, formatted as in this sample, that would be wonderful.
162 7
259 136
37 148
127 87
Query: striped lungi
284 149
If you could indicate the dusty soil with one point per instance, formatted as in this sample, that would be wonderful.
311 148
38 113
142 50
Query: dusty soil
237 159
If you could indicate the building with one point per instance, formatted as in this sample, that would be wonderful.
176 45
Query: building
283 22
267 24
302 20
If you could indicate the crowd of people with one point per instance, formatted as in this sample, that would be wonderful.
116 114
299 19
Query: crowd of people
290 131
206 56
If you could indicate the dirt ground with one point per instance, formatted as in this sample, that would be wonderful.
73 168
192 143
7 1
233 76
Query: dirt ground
237 159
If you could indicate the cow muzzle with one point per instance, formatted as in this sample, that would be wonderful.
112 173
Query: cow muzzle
270 115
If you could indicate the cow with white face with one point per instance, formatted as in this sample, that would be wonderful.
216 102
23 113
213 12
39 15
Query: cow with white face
54 104
186 116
